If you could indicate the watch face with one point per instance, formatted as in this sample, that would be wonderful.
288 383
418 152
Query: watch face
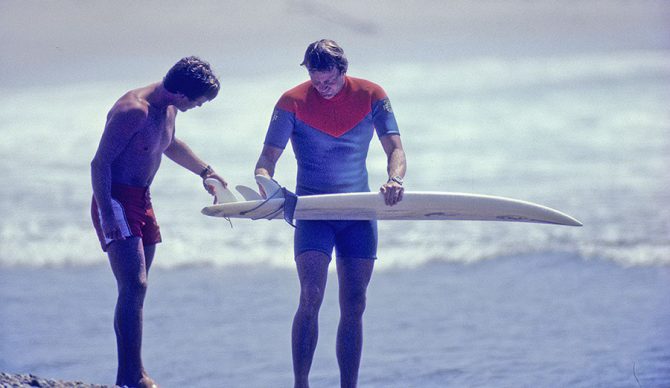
397 179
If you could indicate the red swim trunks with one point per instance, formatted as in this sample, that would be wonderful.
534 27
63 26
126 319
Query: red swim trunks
134 213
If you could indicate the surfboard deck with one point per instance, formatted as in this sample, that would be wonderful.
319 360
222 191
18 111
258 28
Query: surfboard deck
416 205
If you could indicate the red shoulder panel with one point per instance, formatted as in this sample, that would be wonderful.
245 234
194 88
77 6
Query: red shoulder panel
340 114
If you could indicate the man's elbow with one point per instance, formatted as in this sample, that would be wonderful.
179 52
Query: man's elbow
98 164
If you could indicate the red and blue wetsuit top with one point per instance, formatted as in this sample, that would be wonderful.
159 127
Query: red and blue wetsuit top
331 138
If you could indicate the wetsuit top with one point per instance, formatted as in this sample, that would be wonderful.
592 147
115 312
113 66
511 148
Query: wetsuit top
331 138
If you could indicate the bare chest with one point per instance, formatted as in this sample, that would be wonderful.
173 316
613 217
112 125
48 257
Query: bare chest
155 136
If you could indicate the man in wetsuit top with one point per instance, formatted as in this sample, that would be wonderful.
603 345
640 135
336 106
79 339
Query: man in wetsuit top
140 128
330 121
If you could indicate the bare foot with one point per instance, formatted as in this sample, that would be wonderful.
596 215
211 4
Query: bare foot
146 382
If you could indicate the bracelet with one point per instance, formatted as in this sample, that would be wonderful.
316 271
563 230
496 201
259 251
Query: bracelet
397 179
206 172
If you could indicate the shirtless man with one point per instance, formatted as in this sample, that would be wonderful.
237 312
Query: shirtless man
140 128
330 121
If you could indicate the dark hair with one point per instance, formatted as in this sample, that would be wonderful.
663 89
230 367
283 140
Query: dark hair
192 77
325 55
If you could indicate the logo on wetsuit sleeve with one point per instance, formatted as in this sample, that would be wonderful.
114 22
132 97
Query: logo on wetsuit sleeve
387 105
275 115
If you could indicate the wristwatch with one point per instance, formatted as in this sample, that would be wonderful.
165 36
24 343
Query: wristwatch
397 179
206 172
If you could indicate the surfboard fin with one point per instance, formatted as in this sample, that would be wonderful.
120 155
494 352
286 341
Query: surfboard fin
248 193
273 189
223 195
270 186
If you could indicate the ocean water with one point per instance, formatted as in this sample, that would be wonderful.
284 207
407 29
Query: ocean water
452 303
585 134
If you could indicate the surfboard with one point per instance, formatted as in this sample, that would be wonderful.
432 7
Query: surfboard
415 205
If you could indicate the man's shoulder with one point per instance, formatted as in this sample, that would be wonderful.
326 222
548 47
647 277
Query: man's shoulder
291 97
130 104
364 86
129 111
298 92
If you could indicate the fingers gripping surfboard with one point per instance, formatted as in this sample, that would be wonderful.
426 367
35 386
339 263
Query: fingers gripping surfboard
366 206
271 188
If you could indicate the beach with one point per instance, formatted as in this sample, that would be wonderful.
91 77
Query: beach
564 106
548 320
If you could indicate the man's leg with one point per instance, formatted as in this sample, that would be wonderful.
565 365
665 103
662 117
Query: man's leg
353 277
149 252
130 261
313 273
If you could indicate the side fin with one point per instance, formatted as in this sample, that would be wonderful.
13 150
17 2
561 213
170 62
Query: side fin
270 186
248 193
223 195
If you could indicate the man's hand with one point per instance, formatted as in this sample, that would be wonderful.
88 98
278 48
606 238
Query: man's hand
211 188
111 228
393 192
261 190
266 164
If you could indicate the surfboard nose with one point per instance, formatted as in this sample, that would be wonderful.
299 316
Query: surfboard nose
560 218
573 221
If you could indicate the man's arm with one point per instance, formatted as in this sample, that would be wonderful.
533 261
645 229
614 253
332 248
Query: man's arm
396 167
181 153
267 162
122 124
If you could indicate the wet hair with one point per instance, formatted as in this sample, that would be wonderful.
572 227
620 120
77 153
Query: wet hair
192 77
325 55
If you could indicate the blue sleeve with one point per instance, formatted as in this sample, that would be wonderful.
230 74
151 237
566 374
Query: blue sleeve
383 118
280 129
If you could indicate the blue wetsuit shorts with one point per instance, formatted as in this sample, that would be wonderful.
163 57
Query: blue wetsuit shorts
351 239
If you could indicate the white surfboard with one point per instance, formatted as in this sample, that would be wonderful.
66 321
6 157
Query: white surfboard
415 205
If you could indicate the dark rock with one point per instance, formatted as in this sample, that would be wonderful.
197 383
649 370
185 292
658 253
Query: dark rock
8 380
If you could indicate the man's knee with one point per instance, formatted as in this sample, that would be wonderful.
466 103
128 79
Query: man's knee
311 298
353 302
133 288
129 265
313 272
